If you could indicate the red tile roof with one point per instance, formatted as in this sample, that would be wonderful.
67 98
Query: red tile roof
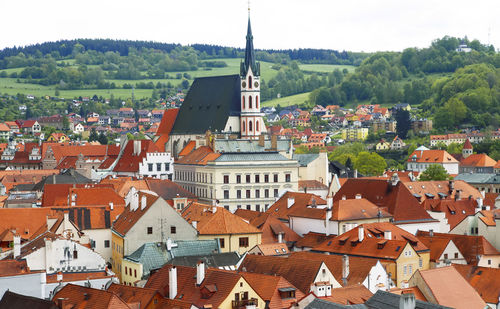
467 144
134 295
432 156
485 280
130 217
84 297
454 210
356 209
312 239
13 268
129 161
81 195
436 245
478 160
350 295
213 220
448 188
301 201
166 125
398 200
469 246
199 156
271 226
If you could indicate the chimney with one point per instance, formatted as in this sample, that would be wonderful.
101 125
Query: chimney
200 272
483 193
280 237
61 302
407 301
59 276
344 198
488 207
172 282
345 269
214 209
356 173
361 233
458 195
111 205
86 296
194 224
388 235
274 142
327 220
358 196
431 233
479 205
17 246
329 202
290 202
261 140
451 186
144 202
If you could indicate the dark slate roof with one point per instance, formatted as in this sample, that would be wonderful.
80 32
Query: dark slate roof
13 300
213 260
246 157
208 104
69 176
249 61
318 303
168 189
386 300
24 187
305 158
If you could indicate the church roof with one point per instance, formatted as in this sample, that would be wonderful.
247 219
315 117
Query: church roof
249 55
208 105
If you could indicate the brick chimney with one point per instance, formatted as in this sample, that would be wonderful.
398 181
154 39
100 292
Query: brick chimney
172 282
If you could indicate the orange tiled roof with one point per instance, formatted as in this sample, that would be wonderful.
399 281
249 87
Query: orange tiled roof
485 280
301 201
213 220
356 209
436 245
454 210
134 295
349 295
187 150
450 289
128 161
13 268
469 246
166 125
432 156
82 276
311 185
130 217
312 239
448 188
271 226
83 297
414 290
199 156
80 194
478 160
26 221
274 248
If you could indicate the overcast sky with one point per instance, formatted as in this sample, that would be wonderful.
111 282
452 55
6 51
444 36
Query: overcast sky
354 25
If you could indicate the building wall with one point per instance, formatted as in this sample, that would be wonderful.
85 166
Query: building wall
444 227
240 287
117 254
325 275
94 283
450 251
419 226
232 241
377 279
99 236
25 284
316 170
166 162
407 264
489 261
131 272
303 226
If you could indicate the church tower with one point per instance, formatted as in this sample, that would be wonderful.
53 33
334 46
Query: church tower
467 149
251 123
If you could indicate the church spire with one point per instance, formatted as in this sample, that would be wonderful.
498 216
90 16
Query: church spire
249 62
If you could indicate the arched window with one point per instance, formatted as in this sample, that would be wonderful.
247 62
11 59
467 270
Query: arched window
256 126
243 102
250 126
249 82
257 101
243 125
249 101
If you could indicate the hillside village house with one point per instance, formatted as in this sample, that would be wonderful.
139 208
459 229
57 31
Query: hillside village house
146 218
422 158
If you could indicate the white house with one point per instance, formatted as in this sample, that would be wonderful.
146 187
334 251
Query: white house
158 165
422 158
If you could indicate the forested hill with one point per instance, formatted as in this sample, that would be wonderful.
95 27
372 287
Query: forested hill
66 48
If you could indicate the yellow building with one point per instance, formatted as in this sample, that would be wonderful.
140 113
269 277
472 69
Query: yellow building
232 232
354 134
58 138
383 145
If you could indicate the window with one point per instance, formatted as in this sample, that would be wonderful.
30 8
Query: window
247 178
404 270
420 263
158 167
221 242
257 104
266 193
238 193
126 270
167 167
250 106
257 193
257 207
226 178
256 126
226 194
275 177
173 230
456 255
275 192
249 207
489 261
244 242
250 126
249 82
150 167
106 244
472 231
238 206
248 193
75 256
288 177
135 273
446 256
266 178
238 178
410 268
257 178
150 230
243 102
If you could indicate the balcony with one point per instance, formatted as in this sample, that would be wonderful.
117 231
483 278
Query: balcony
238 304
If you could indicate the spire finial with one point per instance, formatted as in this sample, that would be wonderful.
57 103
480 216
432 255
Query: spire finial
248 8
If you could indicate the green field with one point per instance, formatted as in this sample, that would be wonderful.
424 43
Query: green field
11 86
325 68
287 101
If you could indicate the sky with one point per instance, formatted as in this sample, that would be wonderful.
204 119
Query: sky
352 25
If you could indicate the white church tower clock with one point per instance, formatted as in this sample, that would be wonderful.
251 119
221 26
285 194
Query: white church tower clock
251 123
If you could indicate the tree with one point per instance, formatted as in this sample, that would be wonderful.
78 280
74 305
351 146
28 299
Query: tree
103 139
93 136
434 172
370 163
65 123
403 123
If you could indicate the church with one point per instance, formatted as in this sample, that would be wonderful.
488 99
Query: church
226 106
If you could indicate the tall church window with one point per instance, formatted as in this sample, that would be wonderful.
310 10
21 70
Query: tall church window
257 101
243 126
249 82
250 126
256 126
243 102
250 102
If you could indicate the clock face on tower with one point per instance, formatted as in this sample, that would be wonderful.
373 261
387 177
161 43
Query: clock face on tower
243 84
256 84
